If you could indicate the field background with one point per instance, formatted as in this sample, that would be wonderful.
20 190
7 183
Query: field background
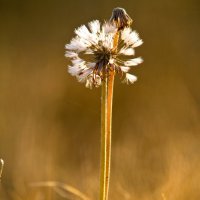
50 123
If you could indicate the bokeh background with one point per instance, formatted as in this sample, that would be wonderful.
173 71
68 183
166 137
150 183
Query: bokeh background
50 123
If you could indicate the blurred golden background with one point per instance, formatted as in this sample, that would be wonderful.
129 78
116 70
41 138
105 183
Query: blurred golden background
50 123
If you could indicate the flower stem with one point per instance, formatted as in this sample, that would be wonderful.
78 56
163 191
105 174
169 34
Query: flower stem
106 130
103 166
106 125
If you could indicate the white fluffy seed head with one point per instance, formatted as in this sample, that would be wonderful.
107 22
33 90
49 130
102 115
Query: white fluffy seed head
92 48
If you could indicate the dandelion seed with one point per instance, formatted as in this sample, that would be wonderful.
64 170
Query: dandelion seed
127 51
91 50
133 62
130 78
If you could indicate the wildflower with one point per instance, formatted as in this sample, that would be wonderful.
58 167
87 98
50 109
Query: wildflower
97 53
92 51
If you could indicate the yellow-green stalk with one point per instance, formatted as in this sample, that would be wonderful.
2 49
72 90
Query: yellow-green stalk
121 20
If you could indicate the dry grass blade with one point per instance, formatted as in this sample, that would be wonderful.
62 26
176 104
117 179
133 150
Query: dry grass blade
62 189
1 167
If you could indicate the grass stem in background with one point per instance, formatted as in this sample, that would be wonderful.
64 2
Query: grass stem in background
1 167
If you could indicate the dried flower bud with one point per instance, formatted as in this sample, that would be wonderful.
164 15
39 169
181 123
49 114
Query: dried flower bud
121 18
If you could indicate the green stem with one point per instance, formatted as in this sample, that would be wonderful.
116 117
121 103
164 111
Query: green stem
106 128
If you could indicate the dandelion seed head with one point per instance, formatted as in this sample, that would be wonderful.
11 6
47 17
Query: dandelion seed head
93 53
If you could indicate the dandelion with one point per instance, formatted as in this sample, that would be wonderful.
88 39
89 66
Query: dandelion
97 53
92 50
